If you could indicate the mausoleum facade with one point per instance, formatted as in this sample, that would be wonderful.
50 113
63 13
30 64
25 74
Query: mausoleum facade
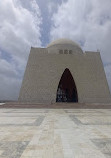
62 72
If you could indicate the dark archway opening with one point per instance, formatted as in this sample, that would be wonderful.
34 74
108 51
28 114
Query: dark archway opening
67 91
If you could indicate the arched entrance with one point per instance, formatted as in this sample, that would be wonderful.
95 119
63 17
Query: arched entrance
67 91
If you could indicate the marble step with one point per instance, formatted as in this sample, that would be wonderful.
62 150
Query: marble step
56 105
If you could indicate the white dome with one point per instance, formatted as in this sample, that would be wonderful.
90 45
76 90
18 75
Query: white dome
65 44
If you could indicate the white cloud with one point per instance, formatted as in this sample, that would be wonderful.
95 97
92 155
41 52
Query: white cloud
88 23
52 7
19 30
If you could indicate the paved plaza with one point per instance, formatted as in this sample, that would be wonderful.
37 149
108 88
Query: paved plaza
55 133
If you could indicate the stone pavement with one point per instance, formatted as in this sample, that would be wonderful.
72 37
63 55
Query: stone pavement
55 133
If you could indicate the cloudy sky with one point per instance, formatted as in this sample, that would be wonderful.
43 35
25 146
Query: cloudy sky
26 23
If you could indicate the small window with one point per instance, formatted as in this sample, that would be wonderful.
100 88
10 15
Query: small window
70 51
66 51
60 51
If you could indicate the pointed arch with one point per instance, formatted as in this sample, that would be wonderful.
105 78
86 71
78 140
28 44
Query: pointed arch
67 91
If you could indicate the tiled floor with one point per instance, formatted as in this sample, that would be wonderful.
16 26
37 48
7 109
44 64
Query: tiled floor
55 133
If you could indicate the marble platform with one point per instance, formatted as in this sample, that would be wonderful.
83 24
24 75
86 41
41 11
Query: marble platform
55 133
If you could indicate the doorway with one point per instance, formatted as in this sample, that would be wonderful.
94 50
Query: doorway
66 91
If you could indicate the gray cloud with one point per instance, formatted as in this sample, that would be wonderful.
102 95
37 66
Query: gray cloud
88 23
19 30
